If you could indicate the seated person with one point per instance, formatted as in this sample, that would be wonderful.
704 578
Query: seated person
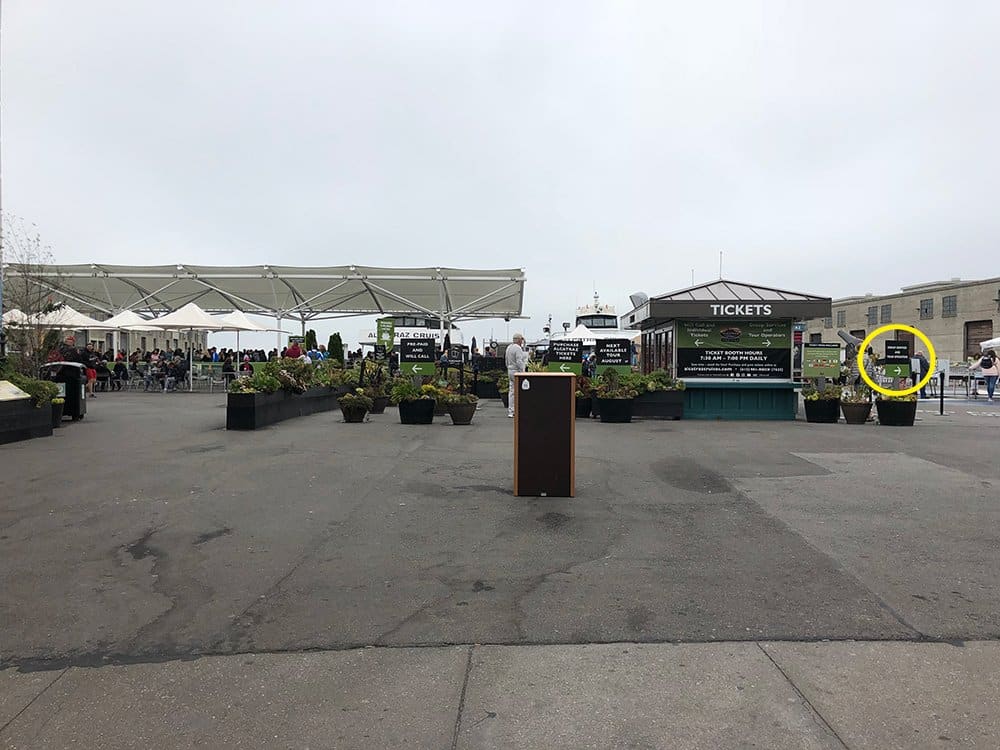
228 370
120 375
103 374
246 367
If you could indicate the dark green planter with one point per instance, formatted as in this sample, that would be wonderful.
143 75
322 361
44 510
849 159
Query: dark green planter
855 413
353 414
462 414
659 405
420 411
57 414
583 408
824 411
615 410
378 405
896 413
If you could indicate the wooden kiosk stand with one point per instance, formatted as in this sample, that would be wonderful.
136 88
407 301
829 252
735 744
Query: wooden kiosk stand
545 434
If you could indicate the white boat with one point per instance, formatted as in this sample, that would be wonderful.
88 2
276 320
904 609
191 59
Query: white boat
593 322
414 327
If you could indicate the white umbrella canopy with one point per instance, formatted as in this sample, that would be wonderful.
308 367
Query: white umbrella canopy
191 318
15 318
69 319
991 344
127 320
238 321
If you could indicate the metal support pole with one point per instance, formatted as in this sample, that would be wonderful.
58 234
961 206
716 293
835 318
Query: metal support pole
941 376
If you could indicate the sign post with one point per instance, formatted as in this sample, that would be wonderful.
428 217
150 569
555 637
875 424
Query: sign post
734 349
821 361
416 357
613 354
385 334
897 359
566 356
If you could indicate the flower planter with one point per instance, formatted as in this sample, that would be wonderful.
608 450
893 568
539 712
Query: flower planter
249 411
896 413
659 405
353 414
583 408
462 413
420 411
378 405
57 414
615 409
486 389
823 411
505 397
440 408
856 413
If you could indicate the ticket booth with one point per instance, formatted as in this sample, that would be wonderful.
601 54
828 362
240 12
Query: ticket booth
730 342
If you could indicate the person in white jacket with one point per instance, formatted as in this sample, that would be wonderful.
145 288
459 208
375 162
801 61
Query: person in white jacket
517 361
990 368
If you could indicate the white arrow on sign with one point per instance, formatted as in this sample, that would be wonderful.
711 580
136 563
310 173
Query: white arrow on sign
896 368
698 342
766 342
414 369
564 368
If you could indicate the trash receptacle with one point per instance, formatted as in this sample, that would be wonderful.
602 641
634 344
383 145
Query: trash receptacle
71 378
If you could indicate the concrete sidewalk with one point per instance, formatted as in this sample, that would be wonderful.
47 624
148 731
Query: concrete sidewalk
621 695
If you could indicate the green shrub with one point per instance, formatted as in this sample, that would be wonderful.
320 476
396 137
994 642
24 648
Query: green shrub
41 391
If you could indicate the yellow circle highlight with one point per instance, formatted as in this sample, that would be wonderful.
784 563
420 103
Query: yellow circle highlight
885 329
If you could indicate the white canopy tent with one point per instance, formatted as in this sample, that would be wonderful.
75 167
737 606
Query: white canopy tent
991 344
298 292
238 321
15 318
68 319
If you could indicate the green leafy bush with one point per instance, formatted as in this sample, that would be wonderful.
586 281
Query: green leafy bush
356 399
259 382
612 385
41 391
661 380
403 389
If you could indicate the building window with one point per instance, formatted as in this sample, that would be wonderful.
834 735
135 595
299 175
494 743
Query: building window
886 313
841 318
815 338
873 315
926 309
949 306
828 322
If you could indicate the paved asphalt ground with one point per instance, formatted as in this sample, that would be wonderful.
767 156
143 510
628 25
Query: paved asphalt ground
165 583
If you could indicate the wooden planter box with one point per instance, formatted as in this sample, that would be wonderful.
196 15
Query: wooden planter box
824 411
462 413
19 420
896 413
659 405
250 411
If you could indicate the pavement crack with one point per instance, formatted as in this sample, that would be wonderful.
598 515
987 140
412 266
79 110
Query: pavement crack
32 701
461 699
813 711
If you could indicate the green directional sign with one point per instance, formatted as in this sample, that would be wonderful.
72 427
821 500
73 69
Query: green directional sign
566 356
416 357
821 361
897 359
613 354
385 331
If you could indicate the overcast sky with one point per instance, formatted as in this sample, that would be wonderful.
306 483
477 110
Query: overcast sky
833 148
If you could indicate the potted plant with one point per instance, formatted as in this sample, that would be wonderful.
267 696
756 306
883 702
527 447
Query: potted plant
584 396
440 393
614 397
822 405
503 388
856 405
897 411
461 408
661 396
355 405
58 404
416 406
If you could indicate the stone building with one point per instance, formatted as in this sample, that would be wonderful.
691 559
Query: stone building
955 315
